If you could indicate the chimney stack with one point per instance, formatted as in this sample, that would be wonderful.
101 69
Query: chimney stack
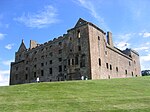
109 39
33 44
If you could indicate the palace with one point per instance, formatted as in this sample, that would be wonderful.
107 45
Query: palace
85 51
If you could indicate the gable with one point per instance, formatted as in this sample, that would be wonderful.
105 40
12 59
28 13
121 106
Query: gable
22 47
80 22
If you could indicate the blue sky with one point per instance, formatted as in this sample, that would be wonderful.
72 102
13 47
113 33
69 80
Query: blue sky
43 20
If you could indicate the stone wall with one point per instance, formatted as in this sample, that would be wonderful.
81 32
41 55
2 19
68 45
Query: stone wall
83 51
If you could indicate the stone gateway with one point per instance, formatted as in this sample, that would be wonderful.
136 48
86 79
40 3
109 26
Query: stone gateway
85 50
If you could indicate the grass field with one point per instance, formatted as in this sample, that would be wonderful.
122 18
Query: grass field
114 95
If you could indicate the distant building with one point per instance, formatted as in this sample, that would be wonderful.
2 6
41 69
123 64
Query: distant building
85 50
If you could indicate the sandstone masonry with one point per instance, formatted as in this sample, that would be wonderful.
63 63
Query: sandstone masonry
85 50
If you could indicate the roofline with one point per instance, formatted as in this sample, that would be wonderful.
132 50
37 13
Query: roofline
88 23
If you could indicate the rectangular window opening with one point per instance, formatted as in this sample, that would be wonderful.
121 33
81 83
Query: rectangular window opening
107 65
42 72
99 62
60 68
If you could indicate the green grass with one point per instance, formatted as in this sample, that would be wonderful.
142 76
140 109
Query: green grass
115 95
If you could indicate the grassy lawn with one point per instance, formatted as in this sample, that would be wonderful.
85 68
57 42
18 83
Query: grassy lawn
114 95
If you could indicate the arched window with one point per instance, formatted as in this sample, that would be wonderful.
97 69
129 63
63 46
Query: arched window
79 35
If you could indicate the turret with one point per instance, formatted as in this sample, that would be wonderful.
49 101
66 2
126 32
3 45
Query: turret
20 53
22 47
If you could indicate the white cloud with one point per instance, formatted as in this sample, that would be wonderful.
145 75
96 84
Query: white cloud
141 48
144 34
122 40
2 36
122 45
7 62
9 46
147 43
4 77
145 58
40 19
125 37
89 5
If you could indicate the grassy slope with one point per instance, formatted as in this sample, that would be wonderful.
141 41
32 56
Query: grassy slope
115 95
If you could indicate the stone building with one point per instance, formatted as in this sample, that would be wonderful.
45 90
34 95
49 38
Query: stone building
85 50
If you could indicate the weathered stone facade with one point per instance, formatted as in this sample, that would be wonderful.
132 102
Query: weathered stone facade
83 51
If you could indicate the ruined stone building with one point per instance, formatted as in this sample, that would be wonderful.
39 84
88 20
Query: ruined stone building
85 50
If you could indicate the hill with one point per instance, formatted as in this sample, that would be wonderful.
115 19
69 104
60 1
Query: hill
114 95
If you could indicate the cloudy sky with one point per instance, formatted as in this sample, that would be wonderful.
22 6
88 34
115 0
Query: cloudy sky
43 20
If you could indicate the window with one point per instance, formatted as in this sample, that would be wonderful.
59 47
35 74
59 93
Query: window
98 38
70 39
35 52
78 34
82 63
34 66
42 57
50 46
34 74
50 71
26 76
132 74
60 68
105 52
16 68
42 64
26 62
72 61
35 59
116 69
60 59
79 48
26 68
42 49
79 40
50 62
16 76
27 55
60 51
42 72
134 62
68 61
76 60
126 72
110 67
51 54
65 67
129 63
99 61
60 43
107 65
